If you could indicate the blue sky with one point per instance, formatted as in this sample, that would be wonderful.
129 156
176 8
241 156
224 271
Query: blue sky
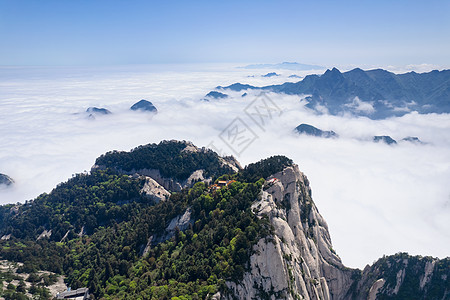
87 32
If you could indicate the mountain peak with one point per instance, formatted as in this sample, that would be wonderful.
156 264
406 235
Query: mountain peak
144 105
5 180
333 73
251 234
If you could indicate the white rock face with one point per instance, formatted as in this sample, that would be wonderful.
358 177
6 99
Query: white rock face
374 289
154 191
299 263
196 176
190 148
6 237
45 234
429 267
181 222
231 162
170 184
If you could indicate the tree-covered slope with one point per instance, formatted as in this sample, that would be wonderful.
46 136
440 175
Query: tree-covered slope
97 226
173 159
257 232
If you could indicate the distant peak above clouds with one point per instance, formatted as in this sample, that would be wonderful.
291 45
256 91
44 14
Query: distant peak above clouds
144 105
285 65
5 180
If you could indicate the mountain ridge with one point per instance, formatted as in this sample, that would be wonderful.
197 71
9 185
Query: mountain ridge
387 93
248 233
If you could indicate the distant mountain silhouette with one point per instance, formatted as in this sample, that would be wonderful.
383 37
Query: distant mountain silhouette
413 139
144 105
271 74
314 131
385 139
376 94
215 95
237 87
99 111
285 65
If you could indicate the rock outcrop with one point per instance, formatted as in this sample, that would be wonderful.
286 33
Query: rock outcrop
168 184
153 191
384 139
231 162
298 262
215 95
45 234
413 139
171 183
97 111
5 180
144 105
180 222
314 131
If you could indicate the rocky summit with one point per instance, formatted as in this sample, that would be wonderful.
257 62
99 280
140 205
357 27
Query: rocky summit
174 221
144 105
314 131
5 180
98 111
384 139
215 95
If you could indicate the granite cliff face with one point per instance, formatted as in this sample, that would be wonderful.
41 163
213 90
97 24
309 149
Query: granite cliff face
298 262
258 223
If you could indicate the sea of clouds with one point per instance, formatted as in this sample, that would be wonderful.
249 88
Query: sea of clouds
377 199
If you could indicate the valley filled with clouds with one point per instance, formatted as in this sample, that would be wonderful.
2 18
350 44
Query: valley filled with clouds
377 198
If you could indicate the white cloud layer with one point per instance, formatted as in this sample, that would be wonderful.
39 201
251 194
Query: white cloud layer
377 199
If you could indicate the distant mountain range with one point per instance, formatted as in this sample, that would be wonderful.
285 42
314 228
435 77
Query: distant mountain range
377 94
285 65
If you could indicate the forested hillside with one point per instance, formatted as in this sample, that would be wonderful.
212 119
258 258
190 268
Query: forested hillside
97 225
231 235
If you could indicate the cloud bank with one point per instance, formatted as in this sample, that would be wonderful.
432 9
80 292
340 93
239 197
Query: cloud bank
377 199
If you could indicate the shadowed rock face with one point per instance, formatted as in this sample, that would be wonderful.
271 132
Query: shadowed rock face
384 139
144 105
5 180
